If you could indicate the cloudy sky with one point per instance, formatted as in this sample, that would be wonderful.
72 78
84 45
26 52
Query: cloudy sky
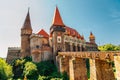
102 17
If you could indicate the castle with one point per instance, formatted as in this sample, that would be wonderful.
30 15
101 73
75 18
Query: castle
42 46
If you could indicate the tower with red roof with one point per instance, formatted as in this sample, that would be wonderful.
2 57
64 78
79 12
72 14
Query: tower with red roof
57 32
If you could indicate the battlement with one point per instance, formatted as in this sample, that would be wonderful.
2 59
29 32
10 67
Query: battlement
14 48
13 53
36 35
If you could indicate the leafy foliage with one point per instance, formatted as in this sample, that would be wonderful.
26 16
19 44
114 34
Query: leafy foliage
48 71
18 66
46 68
20 69
5 70
30 70
109 47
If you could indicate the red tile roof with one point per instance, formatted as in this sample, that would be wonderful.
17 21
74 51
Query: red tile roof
43 33
57 20
72 32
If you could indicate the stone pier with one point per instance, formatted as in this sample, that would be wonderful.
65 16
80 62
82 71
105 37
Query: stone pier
64 64
93 75
71 69
117 66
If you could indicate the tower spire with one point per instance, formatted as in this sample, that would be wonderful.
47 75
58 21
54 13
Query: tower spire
57 20
27 22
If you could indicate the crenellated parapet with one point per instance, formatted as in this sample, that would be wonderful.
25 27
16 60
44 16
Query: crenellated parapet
13 53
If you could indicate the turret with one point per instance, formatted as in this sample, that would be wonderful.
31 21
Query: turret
91 38
57 31
26 31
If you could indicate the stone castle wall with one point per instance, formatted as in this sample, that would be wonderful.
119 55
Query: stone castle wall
13 53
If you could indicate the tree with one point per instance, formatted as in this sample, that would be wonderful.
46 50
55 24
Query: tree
46 68
30 70
18 66
5 70
109 47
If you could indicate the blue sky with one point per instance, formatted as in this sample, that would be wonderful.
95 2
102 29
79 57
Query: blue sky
102 17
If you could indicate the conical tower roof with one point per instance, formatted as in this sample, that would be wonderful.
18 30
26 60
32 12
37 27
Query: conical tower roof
27 22
57 20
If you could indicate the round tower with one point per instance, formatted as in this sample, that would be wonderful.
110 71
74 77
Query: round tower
26 31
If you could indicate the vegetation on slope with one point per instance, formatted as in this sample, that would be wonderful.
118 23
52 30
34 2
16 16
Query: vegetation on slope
21 69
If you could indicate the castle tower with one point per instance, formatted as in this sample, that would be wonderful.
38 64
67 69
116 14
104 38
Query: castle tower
57 32
91 38
26 31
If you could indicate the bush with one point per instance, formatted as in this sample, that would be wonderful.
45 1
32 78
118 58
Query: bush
5 70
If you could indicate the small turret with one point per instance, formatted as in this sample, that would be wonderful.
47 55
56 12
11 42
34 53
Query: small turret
26 31
91 38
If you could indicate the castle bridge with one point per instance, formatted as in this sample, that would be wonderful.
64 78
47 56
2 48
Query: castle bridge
74 63
109 55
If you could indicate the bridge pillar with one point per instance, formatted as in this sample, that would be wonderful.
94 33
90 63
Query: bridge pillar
92 69
104 70
71 69
117 66
63 65
80 71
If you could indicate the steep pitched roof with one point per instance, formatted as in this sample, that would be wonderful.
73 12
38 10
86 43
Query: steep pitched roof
43 33
57 20
27 22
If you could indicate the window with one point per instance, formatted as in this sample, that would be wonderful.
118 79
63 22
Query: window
59 39
37 46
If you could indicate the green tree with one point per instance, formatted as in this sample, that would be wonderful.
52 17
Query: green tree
5 70
30 70
109 47
18 66
46 68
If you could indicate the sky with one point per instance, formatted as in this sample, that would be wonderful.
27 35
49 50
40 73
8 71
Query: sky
102 17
